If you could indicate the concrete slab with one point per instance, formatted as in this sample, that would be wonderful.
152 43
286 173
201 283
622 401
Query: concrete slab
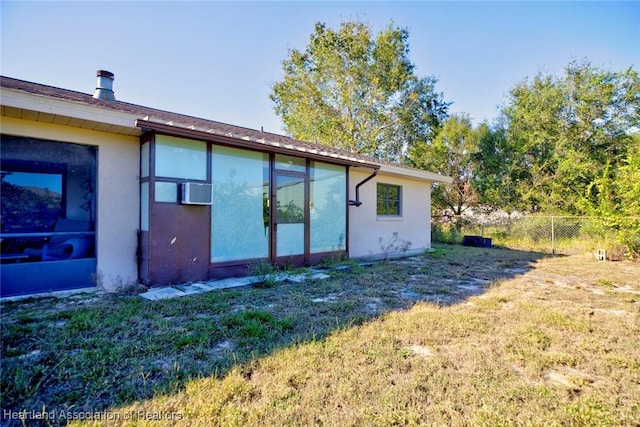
162 293
192 289
206 287
234 282
298 278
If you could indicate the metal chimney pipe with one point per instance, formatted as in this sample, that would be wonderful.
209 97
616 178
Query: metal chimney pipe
104 86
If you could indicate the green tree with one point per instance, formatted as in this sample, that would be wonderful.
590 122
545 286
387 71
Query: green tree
566 134
452 152
629 181
357 91
491 173
619 198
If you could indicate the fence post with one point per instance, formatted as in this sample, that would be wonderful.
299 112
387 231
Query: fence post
553 237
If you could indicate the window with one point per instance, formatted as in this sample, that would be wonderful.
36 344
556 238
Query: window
389 200
291 164
48 204
31 201
328 213
180 158
240 210
144 160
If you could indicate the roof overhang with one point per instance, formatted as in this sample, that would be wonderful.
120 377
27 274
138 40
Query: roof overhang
22 105
247 142
414 174
42 107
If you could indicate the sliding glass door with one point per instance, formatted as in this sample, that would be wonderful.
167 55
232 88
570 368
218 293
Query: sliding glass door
279 208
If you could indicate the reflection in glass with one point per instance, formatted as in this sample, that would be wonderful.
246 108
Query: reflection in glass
290 215
144 160
328 220
290 163
31 202
290 199
48 203
240 212
144 206
388 200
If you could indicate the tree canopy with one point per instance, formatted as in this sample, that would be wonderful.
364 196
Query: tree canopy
564 144
357 91
567 144
452 152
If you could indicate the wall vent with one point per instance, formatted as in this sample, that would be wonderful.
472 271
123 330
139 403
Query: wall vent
195 193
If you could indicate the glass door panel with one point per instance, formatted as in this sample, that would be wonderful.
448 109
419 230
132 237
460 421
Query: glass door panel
290 214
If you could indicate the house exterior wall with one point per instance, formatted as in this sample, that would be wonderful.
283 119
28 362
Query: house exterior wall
366 228
118 199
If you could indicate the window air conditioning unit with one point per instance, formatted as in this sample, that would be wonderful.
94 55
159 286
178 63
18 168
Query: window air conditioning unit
195 193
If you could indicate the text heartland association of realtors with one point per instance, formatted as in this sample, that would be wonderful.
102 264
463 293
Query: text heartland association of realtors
54 415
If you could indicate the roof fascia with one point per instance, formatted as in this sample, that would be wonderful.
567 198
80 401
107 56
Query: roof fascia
418 175
251 143
43 104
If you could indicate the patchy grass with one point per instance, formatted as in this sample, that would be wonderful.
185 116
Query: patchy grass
462 336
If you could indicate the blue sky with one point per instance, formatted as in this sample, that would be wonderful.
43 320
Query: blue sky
218 60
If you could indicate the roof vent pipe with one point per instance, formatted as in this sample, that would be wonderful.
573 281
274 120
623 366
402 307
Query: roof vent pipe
104 86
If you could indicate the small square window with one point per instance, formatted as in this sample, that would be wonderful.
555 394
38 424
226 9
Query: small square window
389 200
166 192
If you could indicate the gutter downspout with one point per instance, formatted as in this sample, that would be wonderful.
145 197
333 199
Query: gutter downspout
357 201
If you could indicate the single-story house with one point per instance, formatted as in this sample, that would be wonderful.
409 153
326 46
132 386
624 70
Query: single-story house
100 192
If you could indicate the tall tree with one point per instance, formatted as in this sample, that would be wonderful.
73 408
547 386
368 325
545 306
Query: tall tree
452 152
491 172
566 133
618 197
357 91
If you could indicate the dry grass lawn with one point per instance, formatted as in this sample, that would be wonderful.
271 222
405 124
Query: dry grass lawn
546 341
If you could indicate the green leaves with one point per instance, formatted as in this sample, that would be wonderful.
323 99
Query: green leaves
567 139
452 152
356 91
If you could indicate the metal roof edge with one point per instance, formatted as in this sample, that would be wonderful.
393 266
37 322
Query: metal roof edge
245 141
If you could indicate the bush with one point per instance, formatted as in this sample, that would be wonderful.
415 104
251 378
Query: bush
265 273
445 233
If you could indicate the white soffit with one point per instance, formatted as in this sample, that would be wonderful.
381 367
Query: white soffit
401 172
64 108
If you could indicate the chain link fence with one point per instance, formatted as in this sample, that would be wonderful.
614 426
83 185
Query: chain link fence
613 238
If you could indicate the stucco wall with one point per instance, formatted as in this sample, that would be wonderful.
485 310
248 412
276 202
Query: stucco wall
118 193
366 227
